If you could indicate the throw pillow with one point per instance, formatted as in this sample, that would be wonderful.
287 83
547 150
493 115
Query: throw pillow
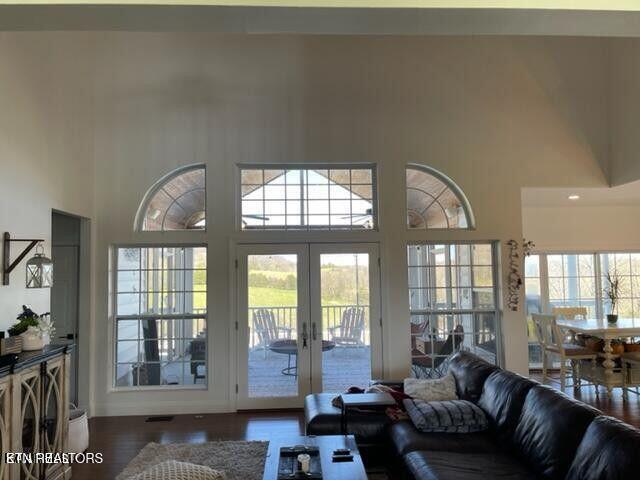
174 470
450 416
431 390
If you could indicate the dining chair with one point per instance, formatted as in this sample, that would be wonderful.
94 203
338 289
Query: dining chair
630 365
570 313
552 341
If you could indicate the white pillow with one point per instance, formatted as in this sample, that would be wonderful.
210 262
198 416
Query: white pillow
174 470
436 390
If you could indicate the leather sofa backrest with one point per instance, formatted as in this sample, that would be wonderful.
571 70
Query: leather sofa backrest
502 399
470 373
550 429
610 450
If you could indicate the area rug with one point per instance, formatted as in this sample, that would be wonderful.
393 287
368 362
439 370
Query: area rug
238 459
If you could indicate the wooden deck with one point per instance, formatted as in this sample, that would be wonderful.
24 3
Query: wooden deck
267 380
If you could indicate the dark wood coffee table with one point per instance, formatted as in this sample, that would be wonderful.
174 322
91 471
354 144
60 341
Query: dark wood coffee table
327 444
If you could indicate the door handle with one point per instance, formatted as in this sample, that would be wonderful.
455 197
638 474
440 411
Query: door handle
69 336
305 336
314 333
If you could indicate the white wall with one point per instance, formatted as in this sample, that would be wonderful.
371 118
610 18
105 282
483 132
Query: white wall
46 147
625 110
494 114
583 229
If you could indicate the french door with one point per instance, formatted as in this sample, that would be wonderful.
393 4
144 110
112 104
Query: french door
308 321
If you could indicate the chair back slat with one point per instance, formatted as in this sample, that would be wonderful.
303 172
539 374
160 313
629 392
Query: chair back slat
265 325
548 332
570 313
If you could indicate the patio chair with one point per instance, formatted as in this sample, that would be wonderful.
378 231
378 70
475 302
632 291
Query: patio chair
349 332
267 329
198 351
436 364
552 341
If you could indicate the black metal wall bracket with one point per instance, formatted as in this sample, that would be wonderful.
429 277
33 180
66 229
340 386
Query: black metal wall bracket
7 266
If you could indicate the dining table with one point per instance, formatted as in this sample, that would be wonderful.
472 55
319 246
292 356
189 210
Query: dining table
607 332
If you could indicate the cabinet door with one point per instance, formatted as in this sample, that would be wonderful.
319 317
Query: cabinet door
27 391
5 423
53 408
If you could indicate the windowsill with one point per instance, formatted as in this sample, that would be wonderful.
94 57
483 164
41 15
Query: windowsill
158 388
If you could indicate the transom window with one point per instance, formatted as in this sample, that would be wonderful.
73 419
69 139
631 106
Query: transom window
452 300
308 198
161 316
176 202
434 201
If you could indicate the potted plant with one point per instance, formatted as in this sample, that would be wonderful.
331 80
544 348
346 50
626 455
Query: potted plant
612 290
34 329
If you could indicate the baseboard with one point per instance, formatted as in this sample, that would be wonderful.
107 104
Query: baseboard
160 408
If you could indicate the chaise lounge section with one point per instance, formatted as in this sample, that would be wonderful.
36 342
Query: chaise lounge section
535 432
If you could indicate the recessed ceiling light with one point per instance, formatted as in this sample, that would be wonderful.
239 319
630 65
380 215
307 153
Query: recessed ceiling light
574 197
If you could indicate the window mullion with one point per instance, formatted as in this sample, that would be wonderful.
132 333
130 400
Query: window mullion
597 269
544 283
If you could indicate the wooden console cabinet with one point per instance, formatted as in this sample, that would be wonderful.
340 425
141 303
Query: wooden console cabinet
34 412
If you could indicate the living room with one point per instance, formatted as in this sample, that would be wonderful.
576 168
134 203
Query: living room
250 208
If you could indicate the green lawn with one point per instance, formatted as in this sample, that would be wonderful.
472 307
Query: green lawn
271 297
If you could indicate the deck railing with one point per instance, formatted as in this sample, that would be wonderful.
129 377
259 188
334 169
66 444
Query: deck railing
286 318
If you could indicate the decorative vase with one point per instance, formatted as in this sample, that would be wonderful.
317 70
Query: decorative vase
31 341
612 318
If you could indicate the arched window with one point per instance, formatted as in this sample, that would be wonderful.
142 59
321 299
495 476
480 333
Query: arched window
434 201
175 202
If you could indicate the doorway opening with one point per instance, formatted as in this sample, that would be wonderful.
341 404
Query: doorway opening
68 298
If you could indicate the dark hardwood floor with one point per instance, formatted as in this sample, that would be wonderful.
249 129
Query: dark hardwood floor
627 411
119 439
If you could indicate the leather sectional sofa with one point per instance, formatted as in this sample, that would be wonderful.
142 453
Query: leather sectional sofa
536 433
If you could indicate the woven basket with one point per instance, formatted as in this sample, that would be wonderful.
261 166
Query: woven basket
78 431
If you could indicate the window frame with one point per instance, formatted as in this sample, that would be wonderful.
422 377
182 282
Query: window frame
451 185
497 289
138 223
114 318
600 301
309 166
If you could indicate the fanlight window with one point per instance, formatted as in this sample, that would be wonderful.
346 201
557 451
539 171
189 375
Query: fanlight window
435 202
176 202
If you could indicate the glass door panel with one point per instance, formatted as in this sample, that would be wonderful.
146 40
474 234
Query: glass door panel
272 316
345 347
273 326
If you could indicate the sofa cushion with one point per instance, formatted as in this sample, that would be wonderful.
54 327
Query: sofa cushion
465 466
470 373
450 416
609 451
406 438
502 398
322 418
550 429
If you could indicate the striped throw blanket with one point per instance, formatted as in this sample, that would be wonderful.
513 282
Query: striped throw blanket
449 416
